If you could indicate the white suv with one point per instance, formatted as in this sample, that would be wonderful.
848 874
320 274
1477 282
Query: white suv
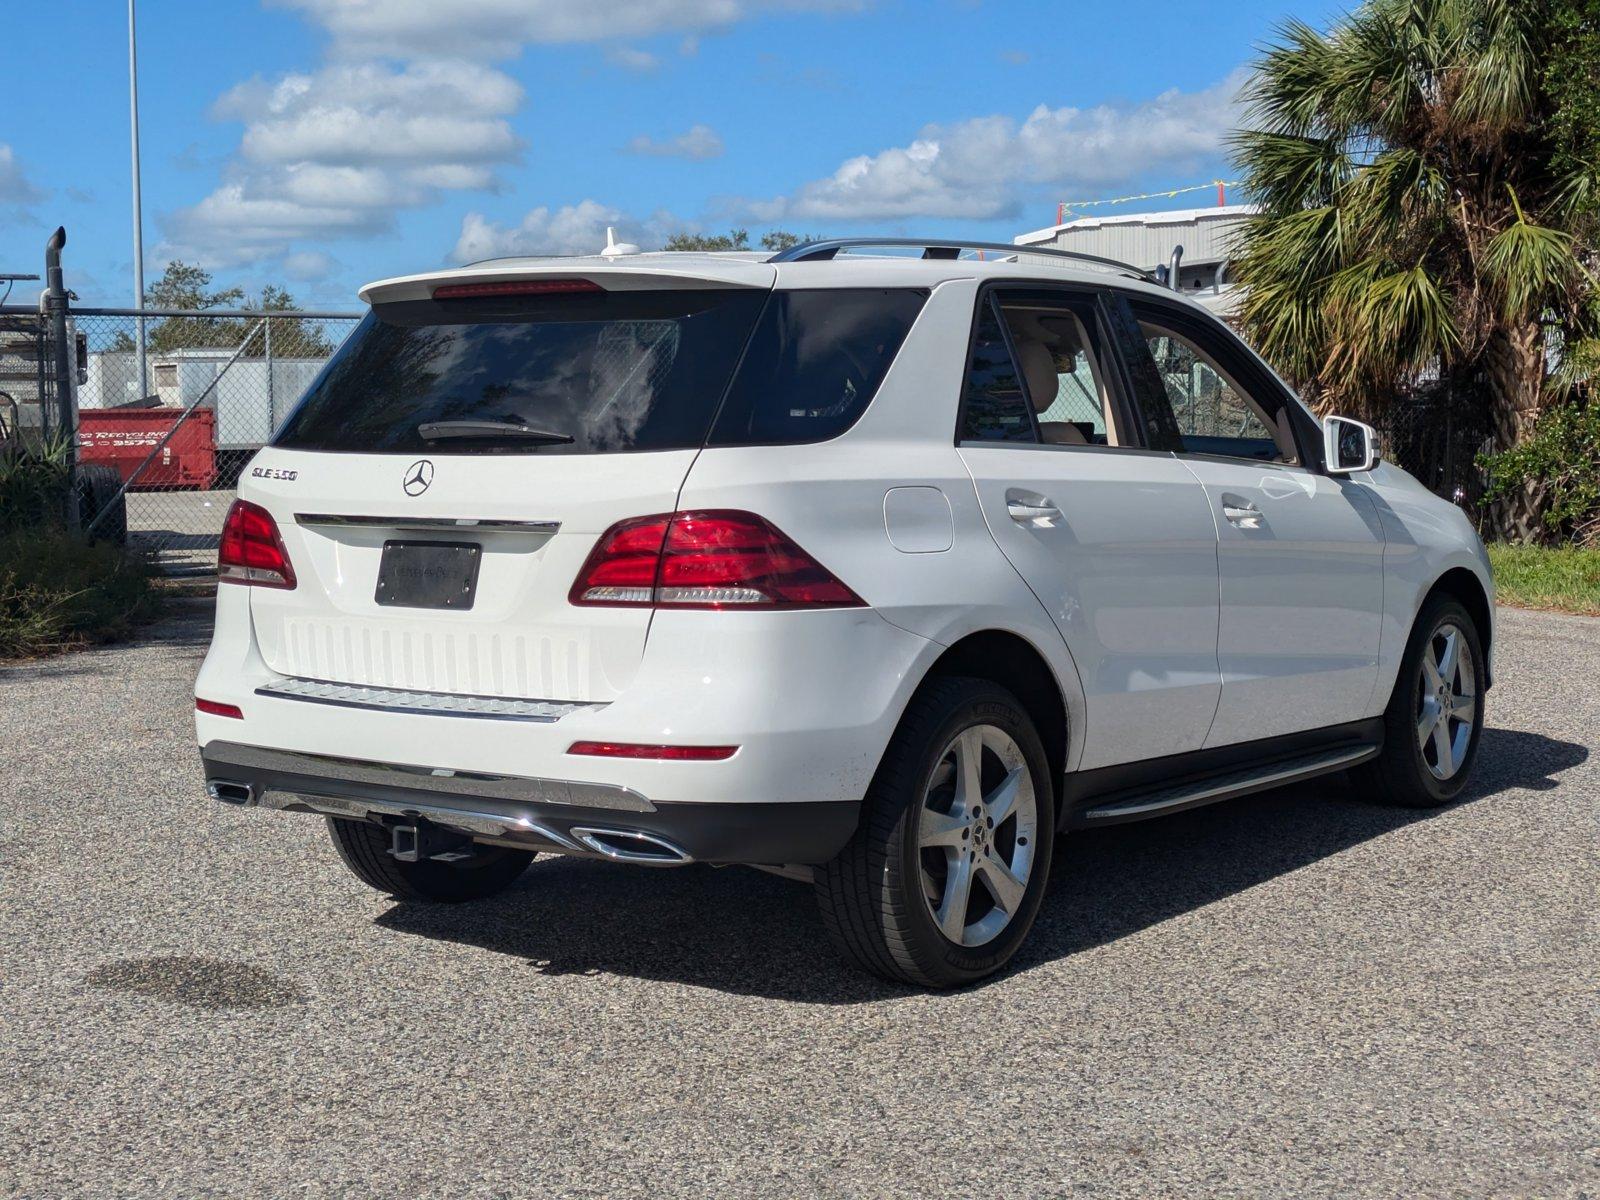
874 567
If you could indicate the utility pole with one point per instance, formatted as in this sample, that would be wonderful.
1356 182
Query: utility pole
138 217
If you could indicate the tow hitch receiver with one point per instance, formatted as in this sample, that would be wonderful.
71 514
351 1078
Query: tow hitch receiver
420 840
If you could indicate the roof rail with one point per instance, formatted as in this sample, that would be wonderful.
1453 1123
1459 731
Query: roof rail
821 251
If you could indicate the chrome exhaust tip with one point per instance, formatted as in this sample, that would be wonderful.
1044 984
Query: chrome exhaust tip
632 846
230 791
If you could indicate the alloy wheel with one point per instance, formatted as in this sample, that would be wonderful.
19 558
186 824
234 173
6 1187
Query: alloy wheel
977 836
1447 701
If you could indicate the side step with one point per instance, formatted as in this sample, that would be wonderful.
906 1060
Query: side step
1172 797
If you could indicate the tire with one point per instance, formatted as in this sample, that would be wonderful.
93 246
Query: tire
877 897
96 486
1406 772
365 850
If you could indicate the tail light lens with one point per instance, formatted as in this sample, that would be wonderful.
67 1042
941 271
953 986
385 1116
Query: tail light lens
251 551
216 708
718 559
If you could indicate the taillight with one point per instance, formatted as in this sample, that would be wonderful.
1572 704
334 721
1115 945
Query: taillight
718 559
216 708
516 287
251 550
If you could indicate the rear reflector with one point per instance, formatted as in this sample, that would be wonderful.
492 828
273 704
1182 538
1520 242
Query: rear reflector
252 550
721 559
217 709
515 287
637 750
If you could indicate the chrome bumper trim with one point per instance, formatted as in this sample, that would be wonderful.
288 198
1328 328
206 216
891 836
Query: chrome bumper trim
428 524
478 824
433 704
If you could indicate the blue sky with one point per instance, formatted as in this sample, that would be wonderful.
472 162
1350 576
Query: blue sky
322 143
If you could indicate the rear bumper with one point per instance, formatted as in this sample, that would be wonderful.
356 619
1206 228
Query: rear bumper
551 815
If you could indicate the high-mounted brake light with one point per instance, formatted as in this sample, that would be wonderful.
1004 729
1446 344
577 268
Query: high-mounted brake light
216 708
252 550
515 287
719 559
637 750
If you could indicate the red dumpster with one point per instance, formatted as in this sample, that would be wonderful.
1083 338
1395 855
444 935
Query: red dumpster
123 438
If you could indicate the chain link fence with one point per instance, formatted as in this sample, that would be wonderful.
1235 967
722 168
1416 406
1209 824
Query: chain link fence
161 444
1438 439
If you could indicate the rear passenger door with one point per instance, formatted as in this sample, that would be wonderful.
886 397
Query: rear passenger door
1116 541
1300 553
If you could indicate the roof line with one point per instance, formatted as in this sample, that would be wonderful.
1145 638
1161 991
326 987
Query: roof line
938 248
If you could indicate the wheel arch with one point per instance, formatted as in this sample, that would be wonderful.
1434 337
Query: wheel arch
1467 589
1017 665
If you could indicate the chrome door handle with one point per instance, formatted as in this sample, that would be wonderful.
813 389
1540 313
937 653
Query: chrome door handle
1025 507
1032 512
1241 512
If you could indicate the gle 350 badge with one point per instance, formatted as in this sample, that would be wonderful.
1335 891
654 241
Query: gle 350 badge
274 473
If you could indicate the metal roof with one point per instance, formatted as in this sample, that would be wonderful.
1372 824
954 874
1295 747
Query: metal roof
1148 238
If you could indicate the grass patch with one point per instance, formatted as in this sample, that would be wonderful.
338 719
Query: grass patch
1564 579
59 591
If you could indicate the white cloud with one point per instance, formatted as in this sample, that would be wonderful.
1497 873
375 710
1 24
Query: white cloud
698 142
337 152
573 229
350 114
631 59
499 28
978 168
309 266
15 187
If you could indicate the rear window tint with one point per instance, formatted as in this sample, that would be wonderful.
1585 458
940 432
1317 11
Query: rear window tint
613 371
814 363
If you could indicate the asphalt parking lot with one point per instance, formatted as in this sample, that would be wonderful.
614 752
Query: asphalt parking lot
1294 994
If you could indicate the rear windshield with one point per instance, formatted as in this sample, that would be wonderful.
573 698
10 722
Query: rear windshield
613 372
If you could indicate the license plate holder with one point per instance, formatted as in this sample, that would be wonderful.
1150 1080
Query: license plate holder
428 574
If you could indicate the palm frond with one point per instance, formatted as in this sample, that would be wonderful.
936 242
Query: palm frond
1529 265
1387 321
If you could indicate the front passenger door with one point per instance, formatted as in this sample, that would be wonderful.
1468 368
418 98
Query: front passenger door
1300 553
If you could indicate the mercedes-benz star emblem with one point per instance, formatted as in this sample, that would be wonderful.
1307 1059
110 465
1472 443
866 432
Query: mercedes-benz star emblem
418 476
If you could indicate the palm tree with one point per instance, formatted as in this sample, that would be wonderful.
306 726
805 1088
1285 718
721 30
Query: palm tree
1419 220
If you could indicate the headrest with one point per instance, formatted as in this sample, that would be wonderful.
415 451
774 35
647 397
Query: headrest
1039 369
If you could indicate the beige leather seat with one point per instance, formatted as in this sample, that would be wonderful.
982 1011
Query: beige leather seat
1044 382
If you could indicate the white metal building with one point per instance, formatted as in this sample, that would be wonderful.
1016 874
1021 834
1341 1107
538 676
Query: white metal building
1149 240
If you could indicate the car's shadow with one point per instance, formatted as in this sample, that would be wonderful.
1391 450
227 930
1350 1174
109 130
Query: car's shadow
741 931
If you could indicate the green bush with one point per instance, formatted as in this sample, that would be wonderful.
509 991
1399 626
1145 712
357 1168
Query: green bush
1560 461
33 487
58 590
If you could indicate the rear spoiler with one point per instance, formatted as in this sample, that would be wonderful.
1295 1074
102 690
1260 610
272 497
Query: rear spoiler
633 276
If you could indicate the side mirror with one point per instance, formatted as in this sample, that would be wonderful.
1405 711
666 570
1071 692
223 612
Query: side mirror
1348 446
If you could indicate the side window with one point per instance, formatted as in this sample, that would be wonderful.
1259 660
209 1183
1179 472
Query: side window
813 364
994 407
1060 373
1190 393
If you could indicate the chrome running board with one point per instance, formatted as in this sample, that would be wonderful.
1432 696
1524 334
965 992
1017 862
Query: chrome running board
1225 786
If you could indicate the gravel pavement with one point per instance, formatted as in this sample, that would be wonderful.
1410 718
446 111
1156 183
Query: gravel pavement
1294 994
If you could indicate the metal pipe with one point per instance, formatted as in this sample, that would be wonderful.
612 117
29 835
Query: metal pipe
1172 269
54 304
138 208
